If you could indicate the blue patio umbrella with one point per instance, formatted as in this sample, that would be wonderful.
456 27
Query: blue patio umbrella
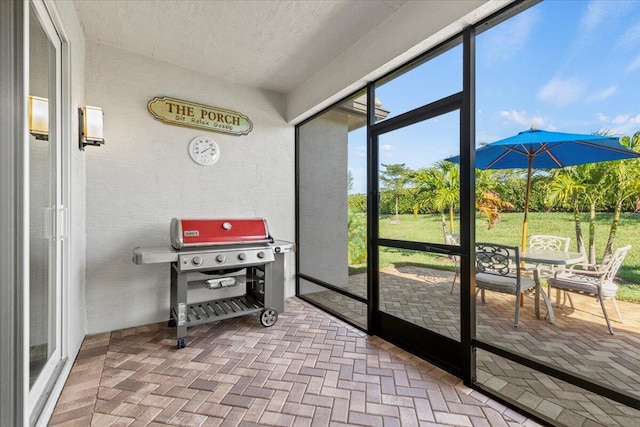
537 148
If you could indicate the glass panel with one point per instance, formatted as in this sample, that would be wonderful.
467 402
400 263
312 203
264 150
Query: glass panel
422 84
332 199
553 400
350 309
42 193
419 288
566 88
419 190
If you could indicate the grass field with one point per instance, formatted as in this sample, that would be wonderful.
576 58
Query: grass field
428 228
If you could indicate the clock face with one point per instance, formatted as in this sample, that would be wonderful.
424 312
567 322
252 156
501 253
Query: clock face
204 151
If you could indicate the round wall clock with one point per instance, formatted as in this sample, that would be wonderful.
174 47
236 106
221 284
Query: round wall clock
204 151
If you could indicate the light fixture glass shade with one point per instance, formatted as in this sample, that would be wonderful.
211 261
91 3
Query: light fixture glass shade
39 117
93 127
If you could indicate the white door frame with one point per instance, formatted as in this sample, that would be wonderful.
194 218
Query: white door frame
39 399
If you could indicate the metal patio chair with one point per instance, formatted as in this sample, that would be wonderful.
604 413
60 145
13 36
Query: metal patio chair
497 269
598 283
453 240
548 243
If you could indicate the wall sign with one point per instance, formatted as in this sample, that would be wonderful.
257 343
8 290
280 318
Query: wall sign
183 113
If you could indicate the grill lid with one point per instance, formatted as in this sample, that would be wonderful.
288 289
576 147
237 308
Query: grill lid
187 233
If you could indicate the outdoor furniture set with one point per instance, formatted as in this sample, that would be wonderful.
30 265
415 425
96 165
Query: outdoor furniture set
536 148
506 269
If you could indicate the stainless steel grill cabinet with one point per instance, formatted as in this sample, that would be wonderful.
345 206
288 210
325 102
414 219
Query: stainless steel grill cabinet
218 255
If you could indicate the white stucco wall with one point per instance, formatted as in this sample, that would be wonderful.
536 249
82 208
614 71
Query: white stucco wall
323 243
143 176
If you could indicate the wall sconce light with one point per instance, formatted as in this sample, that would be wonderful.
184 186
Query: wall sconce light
39 117
91 127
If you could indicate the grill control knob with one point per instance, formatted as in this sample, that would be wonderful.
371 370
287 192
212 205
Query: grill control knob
220 258
197 260
242 257
226 226
260 254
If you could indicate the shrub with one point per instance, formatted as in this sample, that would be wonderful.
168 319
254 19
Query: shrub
357 237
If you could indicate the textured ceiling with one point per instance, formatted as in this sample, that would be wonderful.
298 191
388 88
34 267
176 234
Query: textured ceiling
274 45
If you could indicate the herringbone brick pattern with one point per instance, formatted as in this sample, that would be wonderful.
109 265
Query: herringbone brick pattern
579 342
307 370
552 399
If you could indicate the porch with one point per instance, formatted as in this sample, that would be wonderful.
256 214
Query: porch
307 369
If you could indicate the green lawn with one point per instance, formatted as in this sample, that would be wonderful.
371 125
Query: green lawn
428 228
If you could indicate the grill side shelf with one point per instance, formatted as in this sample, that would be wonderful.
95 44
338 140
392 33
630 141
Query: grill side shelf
220 309
154 255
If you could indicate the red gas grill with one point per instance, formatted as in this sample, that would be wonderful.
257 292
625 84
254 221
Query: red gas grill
223 256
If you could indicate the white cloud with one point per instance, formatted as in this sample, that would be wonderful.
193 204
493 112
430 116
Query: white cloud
604 94
561 91
631 36
522 118
386 151
361 151
618 120
634 65
512 36
626 124
595 13
603 118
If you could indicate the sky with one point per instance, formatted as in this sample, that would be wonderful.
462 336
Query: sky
562 65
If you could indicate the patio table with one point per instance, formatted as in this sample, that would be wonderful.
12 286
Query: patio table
544 256
549 257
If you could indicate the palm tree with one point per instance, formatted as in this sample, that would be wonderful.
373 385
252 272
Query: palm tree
491 187
623 179
490 204
566 188
438 188
573 184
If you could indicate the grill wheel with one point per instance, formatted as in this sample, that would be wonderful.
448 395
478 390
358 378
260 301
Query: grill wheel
268 317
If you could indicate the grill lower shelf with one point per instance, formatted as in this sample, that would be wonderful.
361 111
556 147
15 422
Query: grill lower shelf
220 309
263 294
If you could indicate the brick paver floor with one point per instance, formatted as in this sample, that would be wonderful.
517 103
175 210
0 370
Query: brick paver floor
578 342
307 369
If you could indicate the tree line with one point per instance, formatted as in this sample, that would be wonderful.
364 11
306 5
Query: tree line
612 186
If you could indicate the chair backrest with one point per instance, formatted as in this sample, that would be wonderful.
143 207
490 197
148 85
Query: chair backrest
494 258
549 243
612 267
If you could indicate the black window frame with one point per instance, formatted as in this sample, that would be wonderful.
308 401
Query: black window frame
469 340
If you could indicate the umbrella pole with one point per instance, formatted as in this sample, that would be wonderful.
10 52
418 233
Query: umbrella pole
525 222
